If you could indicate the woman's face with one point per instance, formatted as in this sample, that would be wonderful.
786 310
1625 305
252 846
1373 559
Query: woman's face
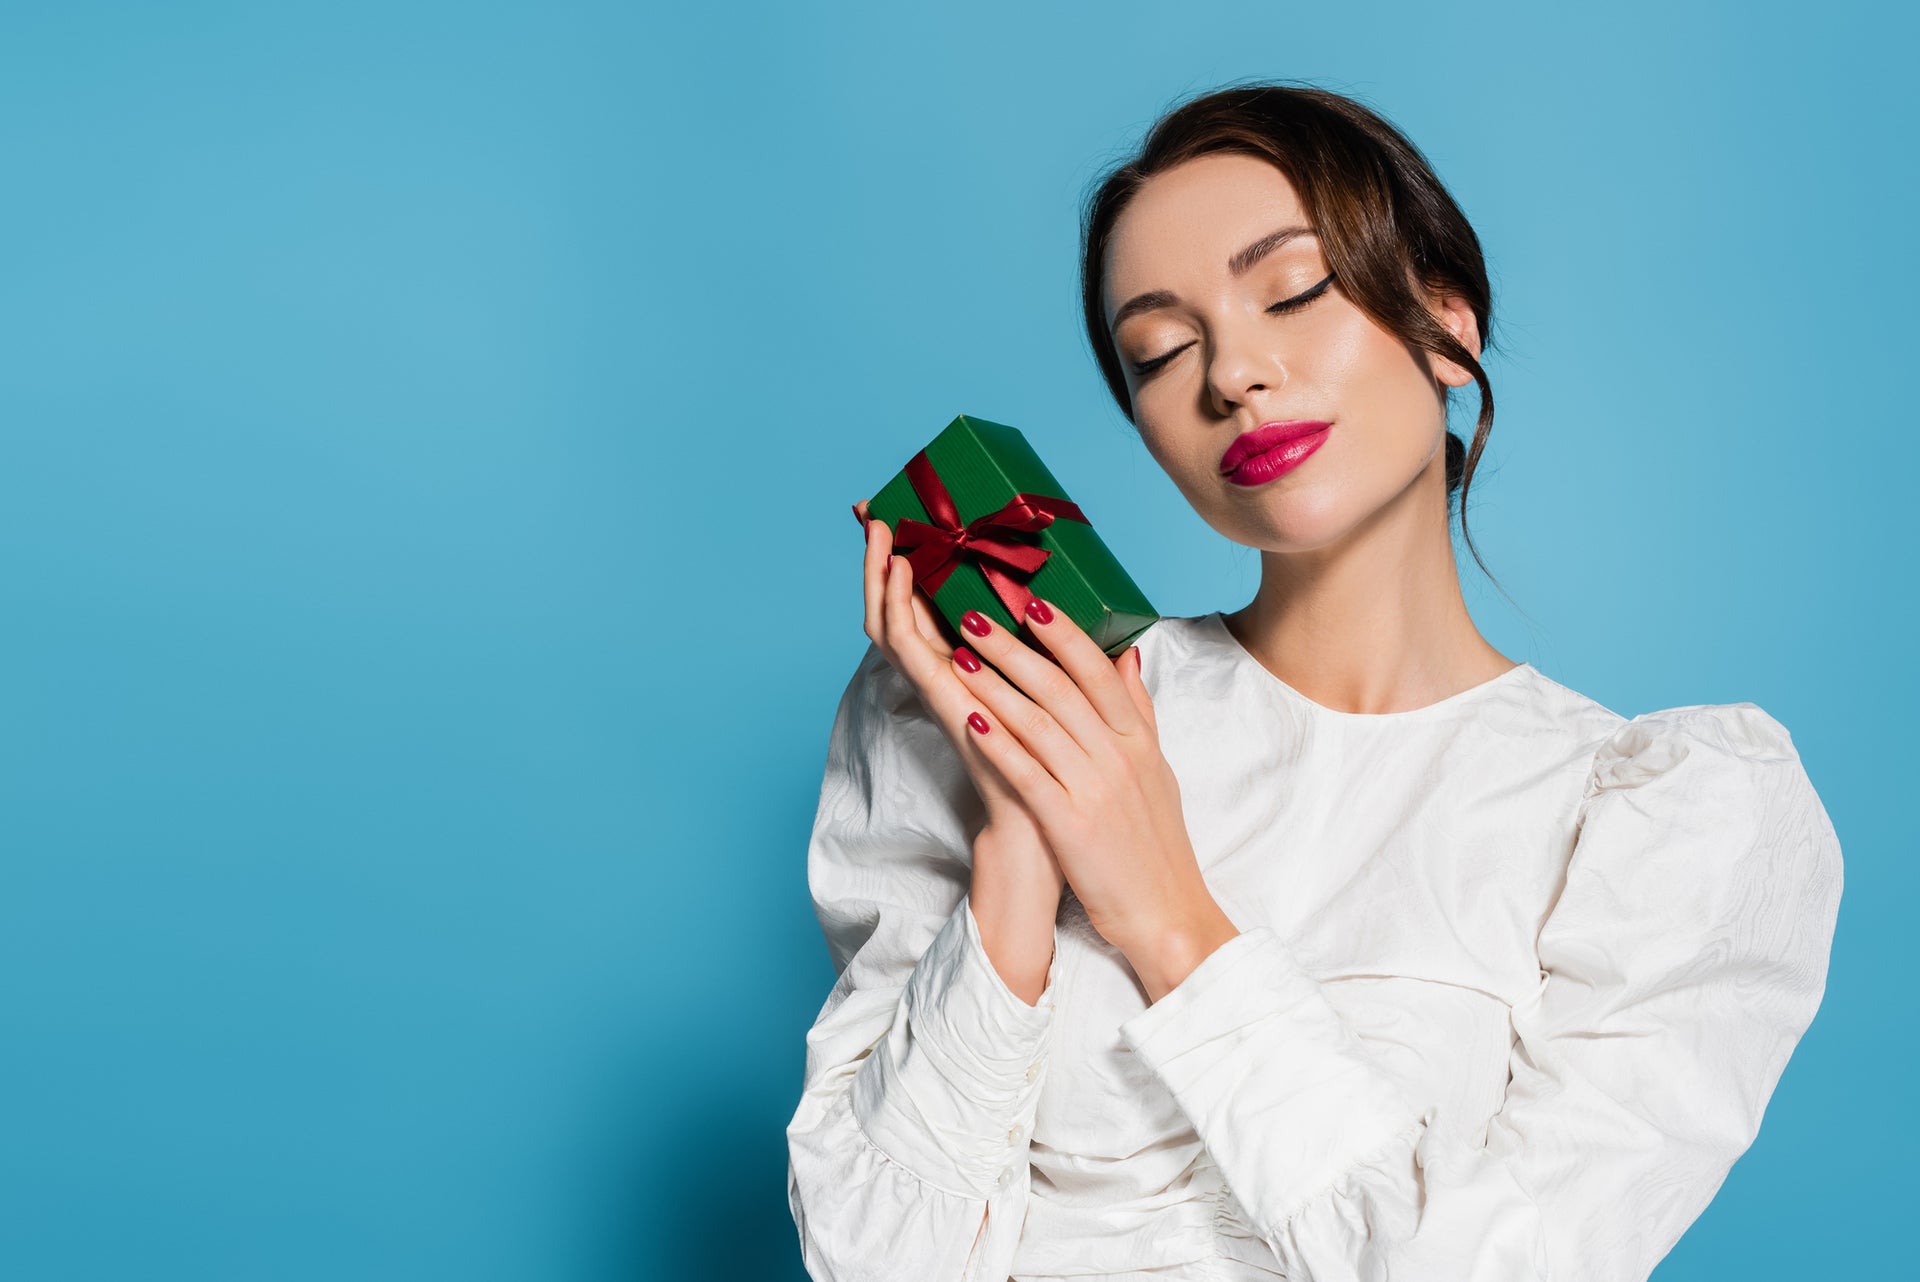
1234 363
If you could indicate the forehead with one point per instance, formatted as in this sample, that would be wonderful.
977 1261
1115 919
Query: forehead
1182 224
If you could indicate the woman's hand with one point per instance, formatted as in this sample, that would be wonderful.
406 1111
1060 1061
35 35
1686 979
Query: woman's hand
1077 741
901 622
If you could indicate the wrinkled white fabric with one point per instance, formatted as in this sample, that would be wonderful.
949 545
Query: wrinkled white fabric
1515 980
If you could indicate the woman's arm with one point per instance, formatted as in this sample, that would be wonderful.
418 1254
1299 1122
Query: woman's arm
1684 958
908 1149
1015 903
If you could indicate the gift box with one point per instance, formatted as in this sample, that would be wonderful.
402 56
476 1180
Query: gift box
986 527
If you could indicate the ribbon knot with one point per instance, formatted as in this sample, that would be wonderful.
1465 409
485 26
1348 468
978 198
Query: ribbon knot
935 549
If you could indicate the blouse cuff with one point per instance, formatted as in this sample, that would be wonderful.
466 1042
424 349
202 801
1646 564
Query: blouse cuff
950 1091
1278 1088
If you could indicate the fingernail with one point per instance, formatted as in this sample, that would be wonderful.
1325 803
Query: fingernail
977 721
856 516
976 623
1038 612
966 658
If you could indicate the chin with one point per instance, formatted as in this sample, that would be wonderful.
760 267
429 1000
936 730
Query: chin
1289 521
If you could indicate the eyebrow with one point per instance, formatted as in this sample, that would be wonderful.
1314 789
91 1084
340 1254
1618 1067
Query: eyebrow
1239 264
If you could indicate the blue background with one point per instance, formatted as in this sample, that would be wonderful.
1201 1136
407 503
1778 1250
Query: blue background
409 733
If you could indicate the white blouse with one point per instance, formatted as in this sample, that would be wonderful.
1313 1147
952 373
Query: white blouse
1515 979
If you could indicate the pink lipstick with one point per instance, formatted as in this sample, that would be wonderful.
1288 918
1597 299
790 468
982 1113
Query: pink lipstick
1272 449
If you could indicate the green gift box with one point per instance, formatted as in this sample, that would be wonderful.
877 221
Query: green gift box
986 527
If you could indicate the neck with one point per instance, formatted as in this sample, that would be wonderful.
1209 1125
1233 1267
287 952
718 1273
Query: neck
1374 622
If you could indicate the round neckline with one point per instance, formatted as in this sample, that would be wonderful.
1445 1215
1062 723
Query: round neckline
1217 621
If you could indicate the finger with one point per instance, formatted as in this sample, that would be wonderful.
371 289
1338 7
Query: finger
1066 693
1093 673
928 618
944 696
879 542
925 663
913 654
1050 743
987 777
932 674
1128 666
1029 781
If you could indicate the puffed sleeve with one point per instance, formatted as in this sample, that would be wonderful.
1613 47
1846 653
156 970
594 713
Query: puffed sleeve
1684 957
908 1152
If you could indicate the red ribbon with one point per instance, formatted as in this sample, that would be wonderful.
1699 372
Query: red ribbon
933 551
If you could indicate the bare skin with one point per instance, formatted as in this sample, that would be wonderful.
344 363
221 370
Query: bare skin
1066 754
1017 884
1359 605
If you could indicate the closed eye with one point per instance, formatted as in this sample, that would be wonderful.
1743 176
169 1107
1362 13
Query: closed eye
1281 308
1304 297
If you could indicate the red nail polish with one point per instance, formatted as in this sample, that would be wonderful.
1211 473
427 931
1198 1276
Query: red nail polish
976 623
1038 612
966 658
977 721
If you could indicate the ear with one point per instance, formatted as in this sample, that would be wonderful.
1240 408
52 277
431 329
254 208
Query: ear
1456 314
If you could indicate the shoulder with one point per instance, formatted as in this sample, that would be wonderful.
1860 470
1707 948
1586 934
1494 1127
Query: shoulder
1539 703
1731 746
882 725
891 833
877 692
1726 768
893 779
1697 912
1714 795
1171 644
1727 740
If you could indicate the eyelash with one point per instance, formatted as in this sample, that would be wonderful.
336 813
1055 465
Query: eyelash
1282 308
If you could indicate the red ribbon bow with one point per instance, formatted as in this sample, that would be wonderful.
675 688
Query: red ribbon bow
933 551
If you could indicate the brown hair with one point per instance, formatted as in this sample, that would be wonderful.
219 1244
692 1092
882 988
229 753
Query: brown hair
1385 222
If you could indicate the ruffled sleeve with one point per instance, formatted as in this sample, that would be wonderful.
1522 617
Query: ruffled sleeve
908 1151
1683 959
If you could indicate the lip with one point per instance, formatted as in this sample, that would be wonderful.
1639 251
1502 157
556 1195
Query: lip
1277 447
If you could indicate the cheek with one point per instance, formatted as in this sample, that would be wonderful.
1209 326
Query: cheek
1356 355
1190 459
1173 460
1374 377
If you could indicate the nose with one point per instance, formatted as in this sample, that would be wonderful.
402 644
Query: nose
1244 364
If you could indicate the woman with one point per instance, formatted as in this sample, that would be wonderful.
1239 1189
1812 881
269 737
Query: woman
1319 939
